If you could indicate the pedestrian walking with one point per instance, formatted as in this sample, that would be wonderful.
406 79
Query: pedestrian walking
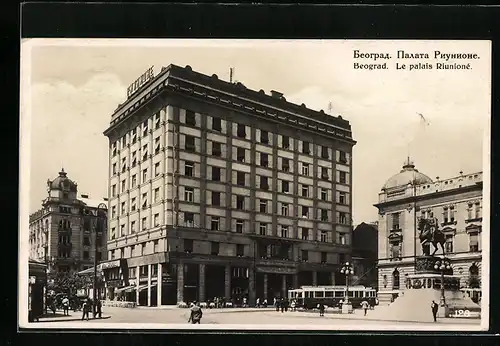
257 303
87 305
365 305
196 314
98 308
65 304
321 309
434 308
292 305
282 305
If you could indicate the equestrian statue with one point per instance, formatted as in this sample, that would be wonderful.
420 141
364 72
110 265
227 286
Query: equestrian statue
430 233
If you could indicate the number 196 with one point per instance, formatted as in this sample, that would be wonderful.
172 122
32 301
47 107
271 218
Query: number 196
462 313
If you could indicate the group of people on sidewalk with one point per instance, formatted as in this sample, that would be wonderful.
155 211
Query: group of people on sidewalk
91 305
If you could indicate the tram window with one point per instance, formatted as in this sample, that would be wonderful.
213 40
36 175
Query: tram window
329 294
308 294
319 294
351 293
339 294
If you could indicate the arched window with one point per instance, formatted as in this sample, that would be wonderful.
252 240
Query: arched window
474 279
395 279
474 270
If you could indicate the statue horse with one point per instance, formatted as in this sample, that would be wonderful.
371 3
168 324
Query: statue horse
430 232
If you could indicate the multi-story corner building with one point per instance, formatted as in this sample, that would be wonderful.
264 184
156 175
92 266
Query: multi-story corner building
217 190
62 232
365 254
457 204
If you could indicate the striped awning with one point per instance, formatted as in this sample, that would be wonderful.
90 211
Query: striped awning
90 270
125 289
145 287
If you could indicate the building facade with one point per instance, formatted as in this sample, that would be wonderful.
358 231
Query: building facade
365 254
63 232
456 203
217 190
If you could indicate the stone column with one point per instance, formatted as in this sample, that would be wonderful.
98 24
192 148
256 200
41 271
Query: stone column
315 278
201 284
150 268
283 285
295 281
159 284
138 275
251 287
265 285
180 282
227 282
332 278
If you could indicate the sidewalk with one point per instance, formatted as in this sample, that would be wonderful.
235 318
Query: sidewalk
73 316
359 315
174 307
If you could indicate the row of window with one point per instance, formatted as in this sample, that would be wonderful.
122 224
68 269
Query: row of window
449 214
241 179
396 245
216 224
240 131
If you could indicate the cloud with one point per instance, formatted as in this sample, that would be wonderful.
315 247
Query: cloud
77 88
67 126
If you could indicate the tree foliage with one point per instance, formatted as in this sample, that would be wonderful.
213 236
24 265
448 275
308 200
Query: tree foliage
70 282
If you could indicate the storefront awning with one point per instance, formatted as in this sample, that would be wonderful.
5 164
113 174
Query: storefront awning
89 271
145 287
125 289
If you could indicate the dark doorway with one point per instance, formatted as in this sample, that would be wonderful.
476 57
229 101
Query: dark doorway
305 278
214 282
191 282
274 286
324 278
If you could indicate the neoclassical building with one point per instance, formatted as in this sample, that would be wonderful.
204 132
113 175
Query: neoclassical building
62 232
409 195
217 190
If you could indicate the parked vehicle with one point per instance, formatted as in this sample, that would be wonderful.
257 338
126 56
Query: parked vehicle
309 297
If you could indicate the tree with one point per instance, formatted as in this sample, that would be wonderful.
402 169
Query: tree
70 282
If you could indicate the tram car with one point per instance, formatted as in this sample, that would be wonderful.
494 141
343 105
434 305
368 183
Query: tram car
309 297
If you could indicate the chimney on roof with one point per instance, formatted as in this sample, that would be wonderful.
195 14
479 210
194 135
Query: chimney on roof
276 94
84 196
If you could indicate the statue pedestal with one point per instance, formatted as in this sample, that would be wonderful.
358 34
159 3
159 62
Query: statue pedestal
423 287
347 308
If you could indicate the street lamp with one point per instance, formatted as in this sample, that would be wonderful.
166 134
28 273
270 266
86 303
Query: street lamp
347 270
443 266
101 208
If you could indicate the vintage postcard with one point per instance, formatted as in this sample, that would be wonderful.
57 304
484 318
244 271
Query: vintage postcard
254 184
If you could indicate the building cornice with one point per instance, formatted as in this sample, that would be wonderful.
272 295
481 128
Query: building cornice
235 97
419 198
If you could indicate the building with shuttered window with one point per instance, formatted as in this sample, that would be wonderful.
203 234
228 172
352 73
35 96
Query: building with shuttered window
455 202
217 190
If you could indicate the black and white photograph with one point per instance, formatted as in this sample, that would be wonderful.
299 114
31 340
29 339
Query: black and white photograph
254 184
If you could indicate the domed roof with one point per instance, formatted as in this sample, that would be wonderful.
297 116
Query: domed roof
62 182
407 175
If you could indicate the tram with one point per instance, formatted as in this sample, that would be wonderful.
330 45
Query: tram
309 297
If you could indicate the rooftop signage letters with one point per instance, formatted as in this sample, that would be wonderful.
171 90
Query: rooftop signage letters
139 82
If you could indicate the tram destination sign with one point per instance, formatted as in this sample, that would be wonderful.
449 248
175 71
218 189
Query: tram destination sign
139 82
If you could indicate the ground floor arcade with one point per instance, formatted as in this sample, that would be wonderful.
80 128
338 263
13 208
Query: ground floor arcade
232 281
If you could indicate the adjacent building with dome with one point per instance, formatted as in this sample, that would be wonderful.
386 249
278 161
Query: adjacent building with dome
63 232
456 202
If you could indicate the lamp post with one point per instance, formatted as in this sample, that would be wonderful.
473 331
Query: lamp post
101 208
347 270
442 265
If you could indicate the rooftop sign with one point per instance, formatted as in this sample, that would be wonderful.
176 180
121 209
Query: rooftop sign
139 82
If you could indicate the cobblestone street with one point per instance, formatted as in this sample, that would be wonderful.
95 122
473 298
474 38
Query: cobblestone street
261 317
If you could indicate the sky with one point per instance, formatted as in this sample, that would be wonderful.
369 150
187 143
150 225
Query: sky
70 88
